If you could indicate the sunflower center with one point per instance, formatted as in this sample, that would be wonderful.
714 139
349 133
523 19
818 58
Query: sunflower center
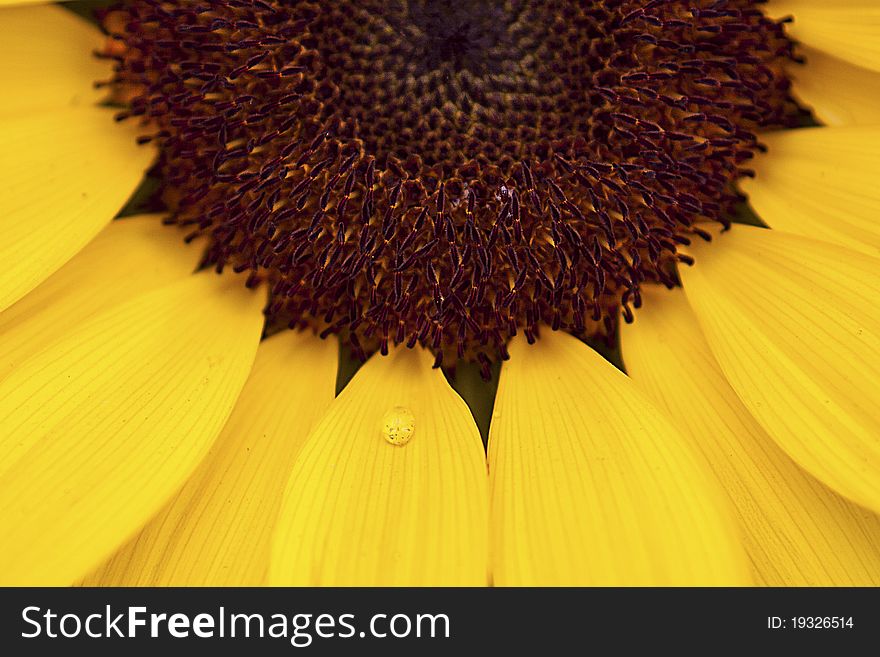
450 173
452 35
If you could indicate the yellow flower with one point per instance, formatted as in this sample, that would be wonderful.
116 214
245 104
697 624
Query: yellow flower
149 436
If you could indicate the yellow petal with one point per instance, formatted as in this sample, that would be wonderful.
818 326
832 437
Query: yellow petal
15 3
838 92
795 326
217 530
796 531
848 29
361 511
48 56
591 485
129 257
63 176
99 430
821 183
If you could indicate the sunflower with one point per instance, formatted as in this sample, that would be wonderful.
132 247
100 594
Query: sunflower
650 224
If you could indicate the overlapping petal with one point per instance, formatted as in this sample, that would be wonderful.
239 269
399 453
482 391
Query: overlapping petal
838 92
98 430
361 511
64 174
49 61
795 326
591 485
821 183
217 530
847 29
129 257
797 531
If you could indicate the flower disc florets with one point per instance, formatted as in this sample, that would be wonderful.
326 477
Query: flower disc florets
451 172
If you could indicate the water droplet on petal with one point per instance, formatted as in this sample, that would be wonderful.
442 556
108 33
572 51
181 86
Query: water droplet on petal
398 425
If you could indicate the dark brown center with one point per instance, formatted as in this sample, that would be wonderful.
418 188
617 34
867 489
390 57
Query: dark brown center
451 172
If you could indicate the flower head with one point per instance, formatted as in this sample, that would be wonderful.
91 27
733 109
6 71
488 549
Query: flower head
441 182
450 174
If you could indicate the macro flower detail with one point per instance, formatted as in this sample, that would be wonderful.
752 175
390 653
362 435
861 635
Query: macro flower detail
451 173
453 293
398 425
